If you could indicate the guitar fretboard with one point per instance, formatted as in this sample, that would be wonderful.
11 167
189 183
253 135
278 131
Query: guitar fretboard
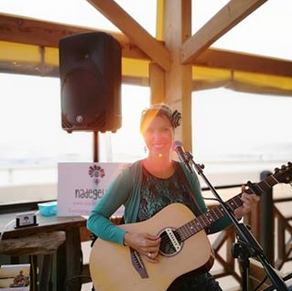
205 220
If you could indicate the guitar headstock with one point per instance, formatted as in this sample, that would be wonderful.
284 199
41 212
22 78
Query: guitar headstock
284 174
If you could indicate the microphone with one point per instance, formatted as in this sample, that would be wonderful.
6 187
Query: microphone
183 156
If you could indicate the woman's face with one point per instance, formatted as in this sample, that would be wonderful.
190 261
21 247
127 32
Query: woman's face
158 135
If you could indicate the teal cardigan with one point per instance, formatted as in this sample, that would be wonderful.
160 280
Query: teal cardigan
125 190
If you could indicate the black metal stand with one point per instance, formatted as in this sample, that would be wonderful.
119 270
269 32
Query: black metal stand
243 259
95 160
246 245
95 146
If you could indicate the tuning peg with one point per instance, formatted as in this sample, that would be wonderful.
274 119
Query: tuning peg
277 170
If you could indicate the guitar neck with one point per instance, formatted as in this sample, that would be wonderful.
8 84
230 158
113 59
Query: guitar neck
205 220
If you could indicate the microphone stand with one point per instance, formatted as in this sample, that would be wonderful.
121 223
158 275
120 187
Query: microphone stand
247 245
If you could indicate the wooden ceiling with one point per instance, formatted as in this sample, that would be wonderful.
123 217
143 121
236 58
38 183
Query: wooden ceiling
137 43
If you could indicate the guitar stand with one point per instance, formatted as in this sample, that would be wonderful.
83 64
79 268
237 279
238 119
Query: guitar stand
247 245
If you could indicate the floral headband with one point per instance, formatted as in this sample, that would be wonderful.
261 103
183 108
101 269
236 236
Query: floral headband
174 117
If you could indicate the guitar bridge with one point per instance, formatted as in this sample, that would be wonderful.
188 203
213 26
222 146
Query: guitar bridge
173 239
138 264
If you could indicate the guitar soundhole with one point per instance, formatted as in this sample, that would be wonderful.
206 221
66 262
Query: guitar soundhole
167 247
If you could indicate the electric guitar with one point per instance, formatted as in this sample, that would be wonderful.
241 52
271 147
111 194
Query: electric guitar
184 245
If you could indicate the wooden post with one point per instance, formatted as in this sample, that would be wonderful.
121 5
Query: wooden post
157 79
178 81
267 221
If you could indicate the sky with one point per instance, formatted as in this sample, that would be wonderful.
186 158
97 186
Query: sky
236 123
33 118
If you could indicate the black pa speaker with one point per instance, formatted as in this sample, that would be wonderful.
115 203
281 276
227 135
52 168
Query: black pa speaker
90 73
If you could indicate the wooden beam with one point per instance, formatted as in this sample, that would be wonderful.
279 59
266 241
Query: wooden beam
136 33
48 34
160 19
157 83
215 58
230 15
178 81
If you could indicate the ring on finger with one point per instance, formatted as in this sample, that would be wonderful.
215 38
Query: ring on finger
149 255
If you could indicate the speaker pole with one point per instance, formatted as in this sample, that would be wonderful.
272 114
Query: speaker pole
95 146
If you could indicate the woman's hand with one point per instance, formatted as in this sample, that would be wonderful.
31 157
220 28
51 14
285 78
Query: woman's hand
248 201
144 243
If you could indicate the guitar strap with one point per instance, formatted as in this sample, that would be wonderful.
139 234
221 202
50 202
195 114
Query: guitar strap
185 181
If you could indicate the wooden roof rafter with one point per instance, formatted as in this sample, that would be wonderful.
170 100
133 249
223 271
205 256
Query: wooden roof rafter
235 61
228 17
20 29
136 33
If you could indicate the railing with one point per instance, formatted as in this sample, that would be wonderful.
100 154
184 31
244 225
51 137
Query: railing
222 242
271 228
284 236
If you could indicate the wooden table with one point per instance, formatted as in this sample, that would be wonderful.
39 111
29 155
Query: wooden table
68 255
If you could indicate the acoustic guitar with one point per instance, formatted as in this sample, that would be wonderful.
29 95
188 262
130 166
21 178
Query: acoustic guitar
184 245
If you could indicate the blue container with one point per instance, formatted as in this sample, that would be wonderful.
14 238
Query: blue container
48 208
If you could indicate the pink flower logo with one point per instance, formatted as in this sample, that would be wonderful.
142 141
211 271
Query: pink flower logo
96 172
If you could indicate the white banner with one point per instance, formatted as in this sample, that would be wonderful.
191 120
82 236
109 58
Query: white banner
81 185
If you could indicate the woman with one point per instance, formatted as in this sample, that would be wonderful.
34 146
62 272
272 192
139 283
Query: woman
149 185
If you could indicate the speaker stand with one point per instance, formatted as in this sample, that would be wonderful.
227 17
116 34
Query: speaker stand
95 146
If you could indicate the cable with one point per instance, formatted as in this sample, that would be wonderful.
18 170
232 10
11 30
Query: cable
286 278
5 227
10 222
75 278
261 283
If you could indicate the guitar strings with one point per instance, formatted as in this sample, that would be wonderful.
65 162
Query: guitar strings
185 231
